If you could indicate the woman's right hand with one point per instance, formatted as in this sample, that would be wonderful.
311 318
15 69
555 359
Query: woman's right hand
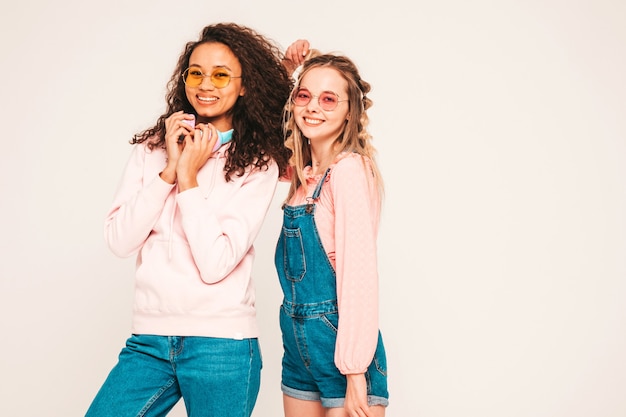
176 131
197 151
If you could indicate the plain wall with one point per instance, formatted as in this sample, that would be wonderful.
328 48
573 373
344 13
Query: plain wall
501 132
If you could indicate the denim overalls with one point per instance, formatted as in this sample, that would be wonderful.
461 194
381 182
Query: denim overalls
309 314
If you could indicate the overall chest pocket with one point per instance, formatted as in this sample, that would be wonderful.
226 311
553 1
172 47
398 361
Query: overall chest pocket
293 256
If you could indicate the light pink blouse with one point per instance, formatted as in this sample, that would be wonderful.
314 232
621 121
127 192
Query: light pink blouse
347 215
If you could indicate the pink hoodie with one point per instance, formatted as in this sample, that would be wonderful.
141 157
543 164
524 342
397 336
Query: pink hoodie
194 249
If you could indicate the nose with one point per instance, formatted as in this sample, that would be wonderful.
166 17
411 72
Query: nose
206 84
313 104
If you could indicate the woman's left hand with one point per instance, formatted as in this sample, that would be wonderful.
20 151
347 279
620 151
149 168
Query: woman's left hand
196 152
295 55
355 403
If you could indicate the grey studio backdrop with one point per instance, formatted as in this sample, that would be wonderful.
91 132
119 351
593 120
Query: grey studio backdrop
501 135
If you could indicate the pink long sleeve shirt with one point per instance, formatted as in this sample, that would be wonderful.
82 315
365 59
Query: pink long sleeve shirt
194 248
346 216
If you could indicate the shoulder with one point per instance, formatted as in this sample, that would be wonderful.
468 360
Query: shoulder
350 163
147 147
289 174
268 170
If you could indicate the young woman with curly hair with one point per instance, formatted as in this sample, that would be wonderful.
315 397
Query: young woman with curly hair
190 204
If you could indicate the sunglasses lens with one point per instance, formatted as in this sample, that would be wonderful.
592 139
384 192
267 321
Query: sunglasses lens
328 101
192 77
220 78
301 97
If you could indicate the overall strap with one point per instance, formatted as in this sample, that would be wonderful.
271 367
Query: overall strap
316 192
318 189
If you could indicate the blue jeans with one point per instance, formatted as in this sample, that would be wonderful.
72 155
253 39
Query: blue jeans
215 377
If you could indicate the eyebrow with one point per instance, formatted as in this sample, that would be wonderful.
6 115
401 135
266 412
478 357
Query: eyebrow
321 92
226 67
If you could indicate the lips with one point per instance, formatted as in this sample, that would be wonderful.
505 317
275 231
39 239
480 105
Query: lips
207 99
313 121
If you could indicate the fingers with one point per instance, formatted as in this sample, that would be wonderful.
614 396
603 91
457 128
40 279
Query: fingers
198 143
298 50
196 152
178 126
358 410
201 143
205 135
198 133
187 125
296 54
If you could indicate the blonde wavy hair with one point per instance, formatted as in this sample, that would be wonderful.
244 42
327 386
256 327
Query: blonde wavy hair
355 136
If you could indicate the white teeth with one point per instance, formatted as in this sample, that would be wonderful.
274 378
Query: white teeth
207 99
313 121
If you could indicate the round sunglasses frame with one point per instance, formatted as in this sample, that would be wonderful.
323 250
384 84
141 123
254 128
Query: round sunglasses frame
212 77
323 105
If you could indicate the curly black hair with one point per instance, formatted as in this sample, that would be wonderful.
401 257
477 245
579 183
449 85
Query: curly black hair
257 116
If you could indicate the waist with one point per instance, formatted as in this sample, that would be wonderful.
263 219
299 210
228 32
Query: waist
310 309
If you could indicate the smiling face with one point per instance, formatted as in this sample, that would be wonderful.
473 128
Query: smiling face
213 104
317 124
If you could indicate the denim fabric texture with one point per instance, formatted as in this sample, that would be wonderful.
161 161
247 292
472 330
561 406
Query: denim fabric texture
309 315
215 377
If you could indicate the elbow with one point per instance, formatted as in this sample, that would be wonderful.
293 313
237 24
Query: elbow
210 279
119 247
213 274
121 251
